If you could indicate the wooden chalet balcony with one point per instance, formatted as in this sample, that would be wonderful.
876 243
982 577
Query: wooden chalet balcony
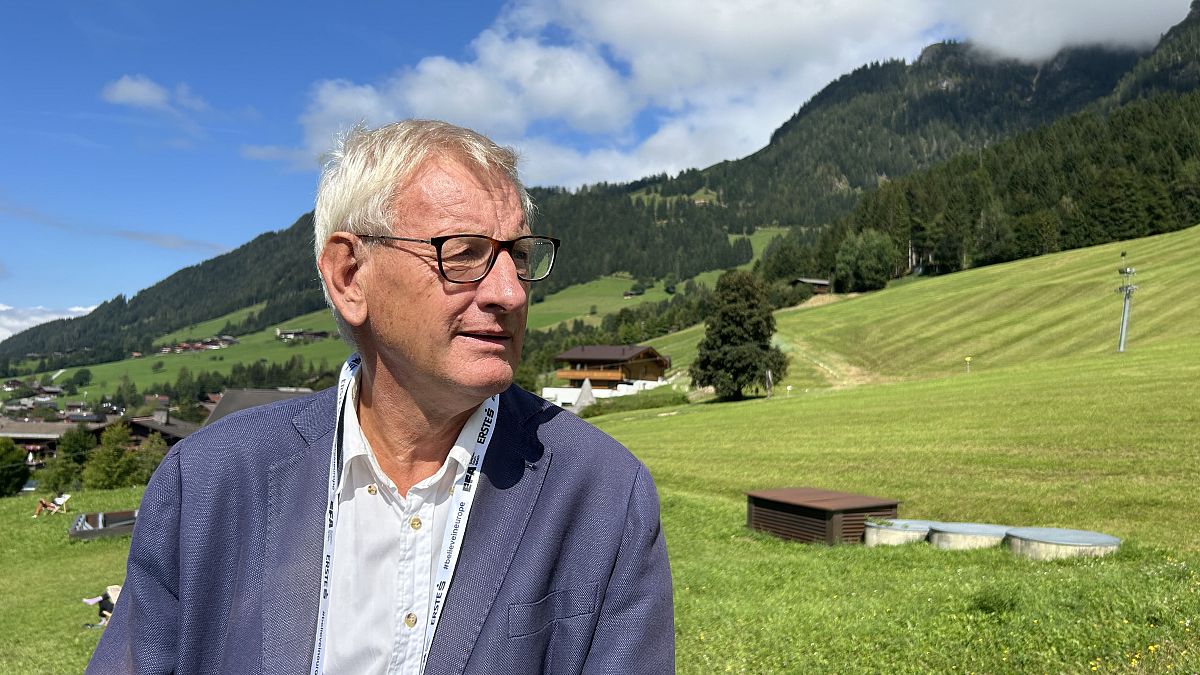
593 375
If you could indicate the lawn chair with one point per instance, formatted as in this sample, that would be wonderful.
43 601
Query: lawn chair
56 505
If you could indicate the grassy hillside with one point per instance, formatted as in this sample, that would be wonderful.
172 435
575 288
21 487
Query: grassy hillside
256 346
606 293
1102 441
208 328
1036 434
574 302
1051 428
48 574
1050 307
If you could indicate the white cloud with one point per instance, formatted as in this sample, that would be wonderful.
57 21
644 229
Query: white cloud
181 105
574 83
592 91
13 320
162 240
1034 30
138 91
186 99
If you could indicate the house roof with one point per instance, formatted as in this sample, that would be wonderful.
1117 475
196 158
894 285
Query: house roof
611 354
178 429
233 400
44 431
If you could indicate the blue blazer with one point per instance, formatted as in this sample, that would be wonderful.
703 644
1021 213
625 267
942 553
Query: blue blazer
563 568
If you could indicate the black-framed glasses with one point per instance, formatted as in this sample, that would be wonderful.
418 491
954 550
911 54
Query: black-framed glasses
467 258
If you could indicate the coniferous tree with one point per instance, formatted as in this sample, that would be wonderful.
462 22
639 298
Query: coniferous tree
736 351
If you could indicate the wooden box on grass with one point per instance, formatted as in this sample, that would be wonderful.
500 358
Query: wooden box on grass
814 515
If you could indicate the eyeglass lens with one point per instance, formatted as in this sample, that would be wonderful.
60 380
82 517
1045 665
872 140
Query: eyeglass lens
468 257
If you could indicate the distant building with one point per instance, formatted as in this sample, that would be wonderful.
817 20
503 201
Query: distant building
609 370
40 439
289 334
160 400
171 430
609 365
819 286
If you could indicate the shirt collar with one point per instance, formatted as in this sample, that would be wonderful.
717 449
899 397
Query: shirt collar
356 448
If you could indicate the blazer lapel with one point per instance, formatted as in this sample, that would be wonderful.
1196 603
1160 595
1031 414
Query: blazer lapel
295 502
513 472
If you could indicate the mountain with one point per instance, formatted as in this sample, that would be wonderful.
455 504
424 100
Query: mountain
275 268
869 128
1126 166
1173 66
886 120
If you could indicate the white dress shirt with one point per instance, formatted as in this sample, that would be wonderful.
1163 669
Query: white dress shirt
385 552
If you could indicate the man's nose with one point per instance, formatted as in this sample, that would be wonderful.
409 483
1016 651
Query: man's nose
501 289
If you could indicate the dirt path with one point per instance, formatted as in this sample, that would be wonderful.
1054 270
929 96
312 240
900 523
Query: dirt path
836 370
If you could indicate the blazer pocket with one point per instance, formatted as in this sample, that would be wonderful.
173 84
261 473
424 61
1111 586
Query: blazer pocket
531 617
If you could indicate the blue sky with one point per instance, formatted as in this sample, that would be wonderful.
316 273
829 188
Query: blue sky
140 138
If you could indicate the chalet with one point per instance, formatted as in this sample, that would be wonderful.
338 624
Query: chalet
40 439
13 385
609 370
18 406
819 286
608 365
49 402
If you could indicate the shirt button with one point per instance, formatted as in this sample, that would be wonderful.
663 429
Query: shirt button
415 523
410 619
371 489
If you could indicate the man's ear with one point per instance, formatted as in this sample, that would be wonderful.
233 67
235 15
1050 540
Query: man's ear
342 263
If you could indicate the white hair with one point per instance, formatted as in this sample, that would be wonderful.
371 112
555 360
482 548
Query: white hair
362 177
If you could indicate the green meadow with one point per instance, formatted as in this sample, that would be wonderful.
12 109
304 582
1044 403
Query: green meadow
1050 428
205 329
606 294
153 369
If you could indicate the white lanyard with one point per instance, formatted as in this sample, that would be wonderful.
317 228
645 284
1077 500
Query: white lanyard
483 422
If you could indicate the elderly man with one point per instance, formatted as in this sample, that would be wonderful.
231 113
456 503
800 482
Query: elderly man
426 515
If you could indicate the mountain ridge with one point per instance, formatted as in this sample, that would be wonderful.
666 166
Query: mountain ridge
952 109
